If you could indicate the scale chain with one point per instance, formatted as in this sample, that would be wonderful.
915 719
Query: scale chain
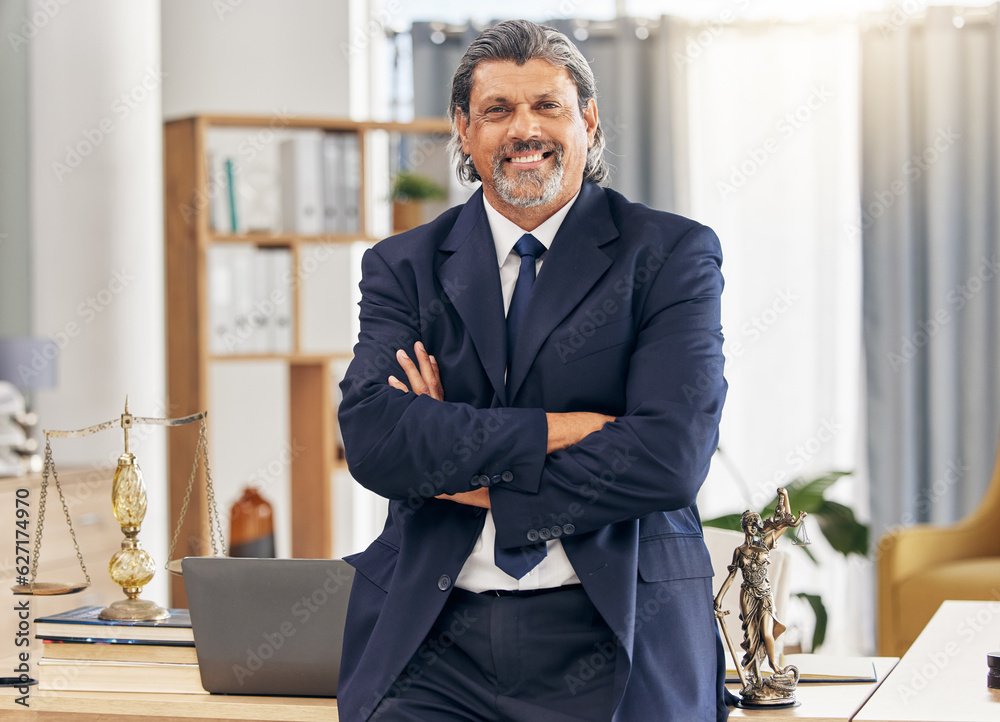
50 467
43 492
214 520
210 493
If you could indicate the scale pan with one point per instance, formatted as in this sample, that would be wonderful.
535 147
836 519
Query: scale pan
47 589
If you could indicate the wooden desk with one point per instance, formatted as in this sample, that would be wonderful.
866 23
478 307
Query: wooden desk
109 707
942 677
820 703
823 702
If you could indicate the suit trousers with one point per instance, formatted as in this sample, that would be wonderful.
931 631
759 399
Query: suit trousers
509 657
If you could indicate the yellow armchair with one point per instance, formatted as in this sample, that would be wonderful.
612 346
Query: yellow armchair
921 566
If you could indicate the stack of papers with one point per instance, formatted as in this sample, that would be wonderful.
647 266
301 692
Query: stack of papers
821 668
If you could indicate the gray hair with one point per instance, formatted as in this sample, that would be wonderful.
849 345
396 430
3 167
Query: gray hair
520 41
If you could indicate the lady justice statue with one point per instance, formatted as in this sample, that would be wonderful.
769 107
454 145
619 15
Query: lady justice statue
760 626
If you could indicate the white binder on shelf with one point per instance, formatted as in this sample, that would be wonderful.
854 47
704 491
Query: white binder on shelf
333 183
351 183
302 183
245 337
263 308
221 311
324 312
281 284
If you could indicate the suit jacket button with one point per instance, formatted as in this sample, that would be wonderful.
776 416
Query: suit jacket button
568 528
484 480
557 531
496 479
544 534
532 535
507 476
444 582
475 480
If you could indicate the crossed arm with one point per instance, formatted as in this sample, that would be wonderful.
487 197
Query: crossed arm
406 445
564 430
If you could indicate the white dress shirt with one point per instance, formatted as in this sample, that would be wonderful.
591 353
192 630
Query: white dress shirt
480 572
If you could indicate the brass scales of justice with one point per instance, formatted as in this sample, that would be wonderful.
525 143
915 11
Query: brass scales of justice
131 567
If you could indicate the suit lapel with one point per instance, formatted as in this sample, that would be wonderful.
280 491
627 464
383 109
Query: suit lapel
471 279
573 265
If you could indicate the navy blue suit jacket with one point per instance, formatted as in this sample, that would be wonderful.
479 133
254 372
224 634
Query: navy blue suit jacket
624 320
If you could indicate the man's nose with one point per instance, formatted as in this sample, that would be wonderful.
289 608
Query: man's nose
523 124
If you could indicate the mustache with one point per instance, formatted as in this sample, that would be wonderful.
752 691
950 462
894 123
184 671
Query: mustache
525 146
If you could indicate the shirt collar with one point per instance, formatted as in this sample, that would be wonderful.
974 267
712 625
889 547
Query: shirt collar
506 233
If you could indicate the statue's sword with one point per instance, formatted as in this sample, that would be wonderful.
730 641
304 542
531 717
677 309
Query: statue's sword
729 642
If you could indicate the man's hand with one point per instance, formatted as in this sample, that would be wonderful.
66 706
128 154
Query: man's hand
423 380
426 379
477 497
571 428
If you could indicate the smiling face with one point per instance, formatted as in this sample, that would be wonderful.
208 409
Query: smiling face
527 137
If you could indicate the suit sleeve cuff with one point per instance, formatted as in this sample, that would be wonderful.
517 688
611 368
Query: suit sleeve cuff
519 469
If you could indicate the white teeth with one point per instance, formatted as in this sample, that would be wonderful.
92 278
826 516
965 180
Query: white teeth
527 158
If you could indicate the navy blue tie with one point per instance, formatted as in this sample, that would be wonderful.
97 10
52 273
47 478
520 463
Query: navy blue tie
529 249
520 560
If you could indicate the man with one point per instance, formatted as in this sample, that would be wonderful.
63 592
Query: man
541 420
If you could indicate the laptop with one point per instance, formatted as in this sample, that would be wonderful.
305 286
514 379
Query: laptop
268 626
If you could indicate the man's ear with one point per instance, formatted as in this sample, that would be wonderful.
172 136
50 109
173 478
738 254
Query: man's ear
462 124
590 120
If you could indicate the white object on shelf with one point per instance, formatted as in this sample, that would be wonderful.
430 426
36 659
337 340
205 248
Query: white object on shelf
302 182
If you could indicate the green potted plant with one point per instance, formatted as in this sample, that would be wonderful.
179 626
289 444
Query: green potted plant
409 193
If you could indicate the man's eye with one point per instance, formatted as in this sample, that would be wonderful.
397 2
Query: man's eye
496 109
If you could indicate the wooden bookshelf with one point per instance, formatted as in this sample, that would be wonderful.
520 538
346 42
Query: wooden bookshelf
189 236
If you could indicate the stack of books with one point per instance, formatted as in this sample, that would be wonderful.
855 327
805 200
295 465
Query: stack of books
82 652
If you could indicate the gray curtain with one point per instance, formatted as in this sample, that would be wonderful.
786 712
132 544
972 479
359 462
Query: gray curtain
637 82
931 244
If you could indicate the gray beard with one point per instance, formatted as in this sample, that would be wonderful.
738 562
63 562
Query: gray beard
529 188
